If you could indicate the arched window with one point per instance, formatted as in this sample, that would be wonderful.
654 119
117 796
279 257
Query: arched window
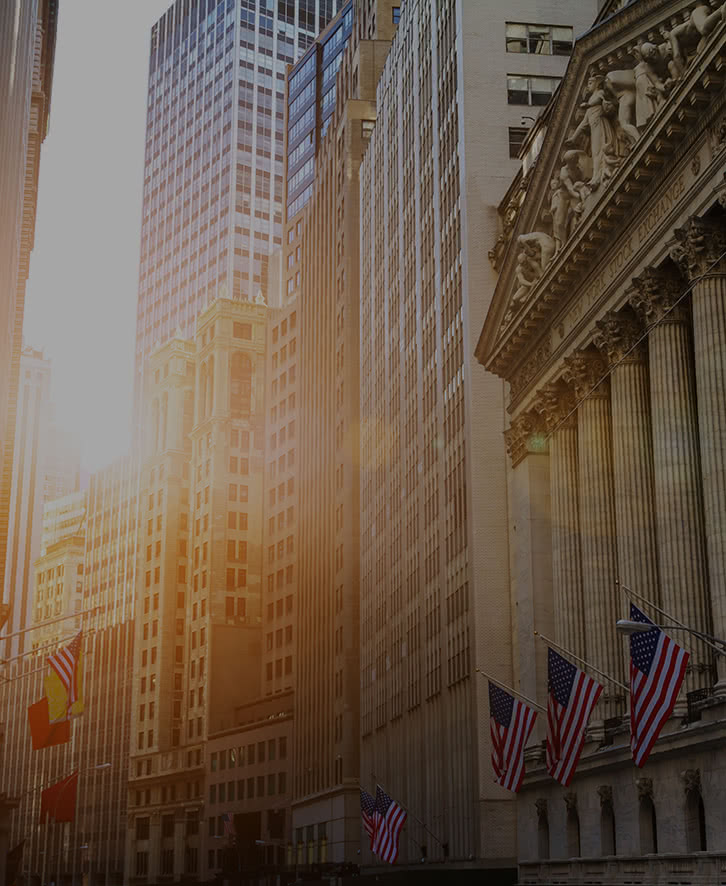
695 812
647 820
543 830
607 821
240 397
573 826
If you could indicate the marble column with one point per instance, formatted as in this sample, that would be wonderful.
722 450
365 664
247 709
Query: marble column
699 251
557 407
618 339
679 505
586 371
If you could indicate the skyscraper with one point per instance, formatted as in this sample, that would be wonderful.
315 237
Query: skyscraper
331 111
27 52
460 85
212 199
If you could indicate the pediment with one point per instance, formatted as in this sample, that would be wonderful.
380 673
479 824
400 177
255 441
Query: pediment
635 87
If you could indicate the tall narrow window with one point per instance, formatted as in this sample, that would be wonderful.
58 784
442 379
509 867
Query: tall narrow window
647 817
695 812
607 821
240 385
543 829
573 826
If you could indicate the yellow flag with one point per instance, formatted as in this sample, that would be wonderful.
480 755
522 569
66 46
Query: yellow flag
58 709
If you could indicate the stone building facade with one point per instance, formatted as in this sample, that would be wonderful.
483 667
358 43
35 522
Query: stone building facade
460 81
608 325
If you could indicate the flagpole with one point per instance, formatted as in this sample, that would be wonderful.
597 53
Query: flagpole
581 660
697 634
506 688
408 811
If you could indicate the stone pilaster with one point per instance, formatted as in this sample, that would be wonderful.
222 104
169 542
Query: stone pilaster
699 250
529 487
586 370
557 406
618 339
679 505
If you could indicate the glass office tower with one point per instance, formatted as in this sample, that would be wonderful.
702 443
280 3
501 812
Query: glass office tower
213 175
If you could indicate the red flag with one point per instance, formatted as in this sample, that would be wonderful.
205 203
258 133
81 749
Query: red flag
59 801
44 733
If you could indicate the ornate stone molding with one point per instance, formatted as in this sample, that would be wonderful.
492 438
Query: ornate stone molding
587 372
556 403
618 337
691 779
541 807
645 787
532 367
570 802
655 294
525 435
699 248
605 792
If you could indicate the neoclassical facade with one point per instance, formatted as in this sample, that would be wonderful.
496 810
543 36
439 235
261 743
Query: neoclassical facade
609 324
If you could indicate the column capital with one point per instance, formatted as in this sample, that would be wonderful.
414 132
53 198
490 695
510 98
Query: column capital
526 434
699 247
655 294
617 337
583 370
556 404
605 792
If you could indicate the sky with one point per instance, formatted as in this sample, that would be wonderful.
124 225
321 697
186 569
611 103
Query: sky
81 295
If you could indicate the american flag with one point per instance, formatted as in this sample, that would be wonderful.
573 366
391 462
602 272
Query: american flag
657 668
367 811
511 722
388 819
571 697
65 664
228 822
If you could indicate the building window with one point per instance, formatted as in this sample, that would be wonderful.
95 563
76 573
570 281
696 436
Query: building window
142 828
396 13
535 91
648 825
517 135
538 39
573 827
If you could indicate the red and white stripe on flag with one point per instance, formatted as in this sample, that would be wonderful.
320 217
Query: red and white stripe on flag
657 668
64 663
511 722
572 694
388 820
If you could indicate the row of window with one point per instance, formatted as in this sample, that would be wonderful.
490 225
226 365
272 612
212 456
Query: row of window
224 792
538 39
248 755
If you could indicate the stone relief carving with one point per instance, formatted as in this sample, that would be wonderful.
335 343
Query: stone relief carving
605 792
617 104
645 787
587 372
531 368
691 779
655 294
556 403
541 807
525 434
570 802
699 247
617 336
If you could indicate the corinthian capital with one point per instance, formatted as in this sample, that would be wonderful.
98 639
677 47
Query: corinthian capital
655 294
556 404
525 434
584 370
700 248
618 335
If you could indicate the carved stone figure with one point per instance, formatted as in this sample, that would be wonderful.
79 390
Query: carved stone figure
600 122
568 193
650 90
700 23
622 85
540 246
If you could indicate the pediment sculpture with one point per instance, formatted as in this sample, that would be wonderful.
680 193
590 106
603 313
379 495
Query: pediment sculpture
618 103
